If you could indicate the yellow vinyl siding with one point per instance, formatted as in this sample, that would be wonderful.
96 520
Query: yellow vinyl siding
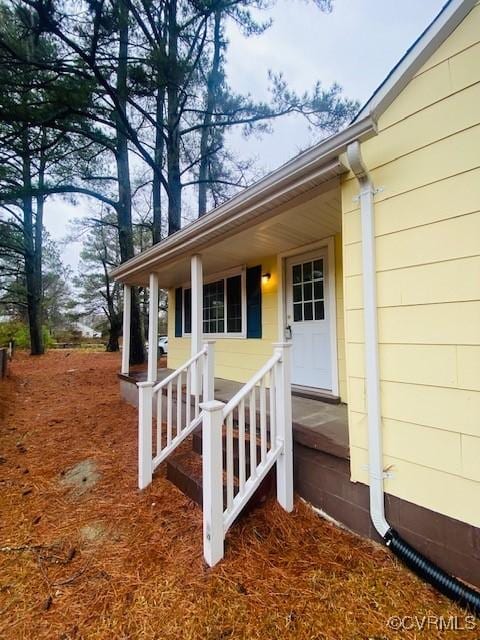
426 161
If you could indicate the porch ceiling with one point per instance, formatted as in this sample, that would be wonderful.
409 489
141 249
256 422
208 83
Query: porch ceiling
303 219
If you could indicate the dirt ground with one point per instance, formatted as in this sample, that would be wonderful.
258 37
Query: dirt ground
84 554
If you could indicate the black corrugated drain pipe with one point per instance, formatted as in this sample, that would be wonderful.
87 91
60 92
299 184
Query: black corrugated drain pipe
457 591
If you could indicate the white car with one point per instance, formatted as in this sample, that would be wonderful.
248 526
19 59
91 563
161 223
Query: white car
163 345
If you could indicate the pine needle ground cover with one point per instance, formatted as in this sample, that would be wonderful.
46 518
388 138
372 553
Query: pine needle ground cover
84 554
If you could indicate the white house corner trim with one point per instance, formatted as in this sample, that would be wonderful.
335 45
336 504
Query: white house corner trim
333 314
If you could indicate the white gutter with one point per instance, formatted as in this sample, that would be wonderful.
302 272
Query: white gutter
311 162
375 446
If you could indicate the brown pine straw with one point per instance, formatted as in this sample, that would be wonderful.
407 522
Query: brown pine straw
117 563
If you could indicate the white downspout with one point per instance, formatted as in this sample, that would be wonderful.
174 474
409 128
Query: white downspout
375 447
455 589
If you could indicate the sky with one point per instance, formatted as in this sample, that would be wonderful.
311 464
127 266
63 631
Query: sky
355 45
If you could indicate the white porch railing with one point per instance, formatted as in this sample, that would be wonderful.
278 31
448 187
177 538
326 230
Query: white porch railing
273 432
176 418
265 440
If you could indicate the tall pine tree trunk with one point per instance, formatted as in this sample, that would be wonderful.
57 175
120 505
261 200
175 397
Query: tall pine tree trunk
38 252
157 183
212 89
173 124
33 279
124 209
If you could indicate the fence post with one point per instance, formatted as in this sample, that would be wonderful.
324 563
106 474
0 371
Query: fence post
213 533
283 399
209 371
145 396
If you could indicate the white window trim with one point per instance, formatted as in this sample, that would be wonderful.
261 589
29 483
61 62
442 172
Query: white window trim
223 275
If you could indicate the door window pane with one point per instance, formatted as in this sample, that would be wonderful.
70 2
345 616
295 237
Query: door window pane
317 269
307 271
307 291
297 312
319 311
318 290
297 273
308 311
297 293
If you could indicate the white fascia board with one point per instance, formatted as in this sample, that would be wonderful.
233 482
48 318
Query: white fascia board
312 162
450 16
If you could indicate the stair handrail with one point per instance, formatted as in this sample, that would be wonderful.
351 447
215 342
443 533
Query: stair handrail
248 386
276 448
199 370
178 370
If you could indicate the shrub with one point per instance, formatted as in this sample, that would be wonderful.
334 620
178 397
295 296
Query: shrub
18 331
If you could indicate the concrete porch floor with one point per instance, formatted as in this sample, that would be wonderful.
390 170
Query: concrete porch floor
316 424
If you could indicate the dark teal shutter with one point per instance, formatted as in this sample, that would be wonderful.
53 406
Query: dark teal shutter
254 302
178 312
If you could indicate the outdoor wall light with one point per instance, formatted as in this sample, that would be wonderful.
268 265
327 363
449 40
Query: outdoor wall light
265 277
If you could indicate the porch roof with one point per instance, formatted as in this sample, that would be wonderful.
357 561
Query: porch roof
271 206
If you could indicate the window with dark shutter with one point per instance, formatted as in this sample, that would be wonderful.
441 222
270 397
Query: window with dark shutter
178 312
254 302
187 310
224 306
234 304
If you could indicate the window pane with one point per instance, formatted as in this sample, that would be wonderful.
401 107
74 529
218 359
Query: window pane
234 304
213 306
317 269
297 312
318 290
297 273
308 311
319 311
307 271
187 302
297 293
307 291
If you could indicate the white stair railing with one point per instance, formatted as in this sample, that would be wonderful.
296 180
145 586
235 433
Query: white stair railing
177 413
271 385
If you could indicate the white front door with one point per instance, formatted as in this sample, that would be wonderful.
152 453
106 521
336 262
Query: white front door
308 320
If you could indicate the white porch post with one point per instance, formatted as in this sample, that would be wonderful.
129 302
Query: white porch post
153 328
197 318
209 372
145 392
283 407
213 531
127 307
